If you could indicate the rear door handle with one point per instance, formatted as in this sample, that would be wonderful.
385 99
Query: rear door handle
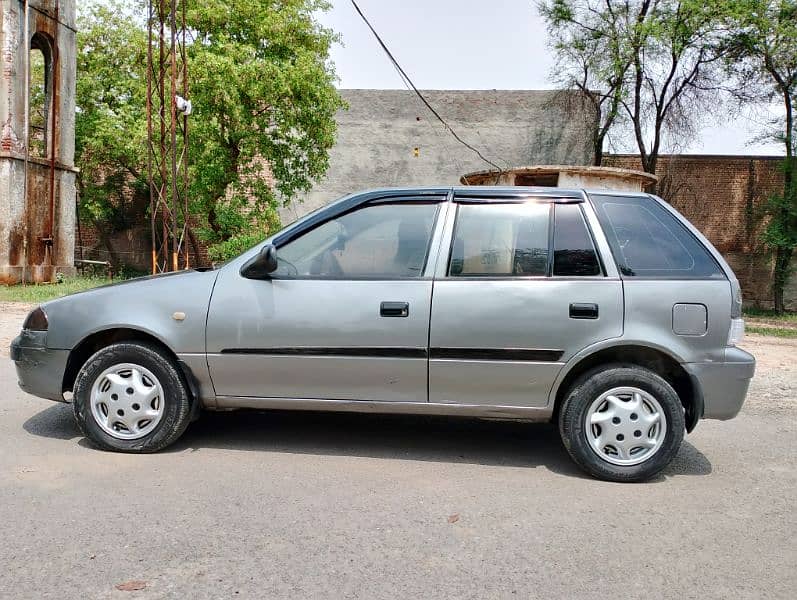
583 310
394 309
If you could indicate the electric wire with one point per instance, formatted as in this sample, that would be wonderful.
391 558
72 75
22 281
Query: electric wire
407 79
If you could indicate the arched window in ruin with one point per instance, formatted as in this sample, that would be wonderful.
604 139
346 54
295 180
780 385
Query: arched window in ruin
40 98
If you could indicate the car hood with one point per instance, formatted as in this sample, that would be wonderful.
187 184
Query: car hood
145 304
122 283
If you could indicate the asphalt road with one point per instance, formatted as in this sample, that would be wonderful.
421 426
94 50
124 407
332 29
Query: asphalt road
304 505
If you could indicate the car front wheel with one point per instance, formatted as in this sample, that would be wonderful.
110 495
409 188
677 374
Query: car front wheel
130 397
622 423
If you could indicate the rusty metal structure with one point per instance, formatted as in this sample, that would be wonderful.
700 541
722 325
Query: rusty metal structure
37 173
167 129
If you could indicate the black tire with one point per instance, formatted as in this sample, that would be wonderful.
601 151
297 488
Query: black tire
176 410
586 389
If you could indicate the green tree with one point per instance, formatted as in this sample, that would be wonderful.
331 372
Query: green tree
591 58
762 56
654 60
264 100
110 120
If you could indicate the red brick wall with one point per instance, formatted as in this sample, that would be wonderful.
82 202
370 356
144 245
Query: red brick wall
723 196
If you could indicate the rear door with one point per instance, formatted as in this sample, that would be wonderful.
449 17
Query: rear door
518 291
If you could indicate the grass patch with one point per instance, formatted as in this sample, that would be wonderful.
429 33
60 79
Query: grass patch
770 315
37 293
781 332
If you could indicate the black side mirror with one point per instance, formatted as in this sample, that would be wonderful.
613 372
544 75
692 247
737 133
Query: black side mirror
260 265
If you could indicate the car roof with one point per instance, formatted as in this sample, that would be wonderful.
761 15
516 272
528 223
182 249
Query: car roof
473 191
483 193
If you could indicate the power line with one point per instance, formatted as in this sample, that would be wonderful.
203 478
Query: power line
415 89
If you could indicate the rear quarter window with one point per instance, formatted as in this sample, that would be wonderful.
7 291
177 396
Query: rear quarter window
648 241
574 252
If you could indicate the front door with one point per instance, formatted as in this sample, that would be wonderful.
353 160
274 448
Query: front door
522 291
345 316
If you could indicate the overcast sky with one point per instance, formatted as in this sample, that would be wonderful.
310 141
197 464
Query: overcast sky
472 44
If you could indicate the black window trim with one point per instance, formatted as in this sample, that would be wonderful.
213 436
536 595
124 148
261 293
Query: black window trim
602 276
378 201
356 202
517 199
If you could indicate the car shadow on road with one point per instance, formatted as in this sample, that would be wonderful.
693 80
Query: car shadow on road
56 421
403 437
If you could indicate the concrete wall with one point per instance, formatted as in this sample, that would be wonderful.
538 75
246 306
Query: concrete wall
37 233
378 135
724 196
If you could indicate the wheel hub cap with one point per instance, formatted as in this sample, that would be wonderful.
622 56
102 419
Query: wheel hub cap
127 401
625 426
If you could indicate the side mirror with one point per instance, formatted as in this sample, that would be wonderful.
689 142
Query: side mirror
260 265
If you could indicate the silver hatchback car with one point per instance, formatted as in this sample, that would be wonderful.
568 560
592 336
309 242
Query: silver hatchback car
604 312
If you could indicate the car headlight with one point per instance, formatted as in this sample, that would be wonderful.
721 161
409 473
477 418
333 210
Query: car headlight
36 321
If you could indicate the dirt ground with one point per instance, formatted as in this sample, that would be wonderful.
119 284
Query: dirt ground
304 505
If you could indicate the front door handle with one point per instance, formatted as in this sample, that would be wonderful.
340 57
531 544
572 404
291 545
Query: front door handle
583 310
394 309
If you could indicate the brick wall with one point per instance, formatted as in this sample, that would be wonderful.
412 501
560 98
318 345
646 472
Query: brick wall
723 196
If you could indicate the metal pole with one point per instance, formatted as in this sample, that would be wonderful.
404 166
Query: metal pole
173 108
26 47
184 63
167 130
152 200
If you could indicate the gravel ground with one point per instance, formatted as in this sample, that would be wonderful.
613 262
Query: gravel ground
304 505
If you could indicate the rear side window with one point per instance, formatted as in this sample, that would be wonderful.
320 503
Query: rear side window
574 253
648 241
500 240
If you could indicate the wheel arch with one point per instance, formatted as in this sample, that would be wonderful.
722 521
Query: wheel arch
656 359
92 343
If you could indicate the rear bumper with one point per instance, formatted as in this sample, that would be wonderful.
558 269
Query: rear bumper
723 385
40 370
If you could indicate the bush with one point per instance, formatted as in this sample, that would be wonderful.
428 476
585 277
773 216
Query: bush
234 246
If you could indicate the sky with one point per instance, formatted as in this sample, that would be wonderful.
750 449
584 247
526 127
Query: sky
476 44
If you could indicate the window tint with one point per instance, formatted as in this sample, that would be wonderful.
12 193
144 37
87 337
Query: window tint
493 240
648 241
379 241
574 254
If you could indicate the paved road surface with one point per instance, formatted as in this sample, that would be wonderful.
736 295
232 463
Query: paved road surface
280 505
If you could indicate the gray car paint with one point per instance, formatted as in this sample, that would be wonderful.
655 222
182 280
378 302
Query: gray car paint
305 313
341 313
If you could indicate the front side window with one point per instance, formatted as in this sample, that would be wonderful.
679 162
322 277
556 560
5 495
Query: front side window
383 241
648 241
500 240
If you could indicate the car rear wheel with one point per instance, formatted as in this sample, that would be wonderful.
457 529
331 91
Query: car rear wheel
130 397
622 423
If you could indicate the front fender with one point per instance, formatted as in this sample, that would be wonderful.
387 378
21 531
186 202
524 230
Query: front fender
147 305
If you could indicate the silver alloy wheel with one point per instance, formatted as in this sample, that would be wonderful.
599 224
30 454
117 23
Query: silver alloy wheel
626 426
127 401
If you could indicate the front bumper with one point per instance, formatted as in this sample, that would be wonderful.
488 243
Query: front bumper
40 370
723 385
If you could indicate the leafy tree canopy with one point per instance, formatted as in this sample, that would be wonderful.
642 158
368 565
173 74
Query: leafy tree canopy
761 58
264 101
649 64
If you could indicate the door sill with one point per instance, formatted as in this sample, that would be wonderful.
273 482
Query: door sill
525 413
